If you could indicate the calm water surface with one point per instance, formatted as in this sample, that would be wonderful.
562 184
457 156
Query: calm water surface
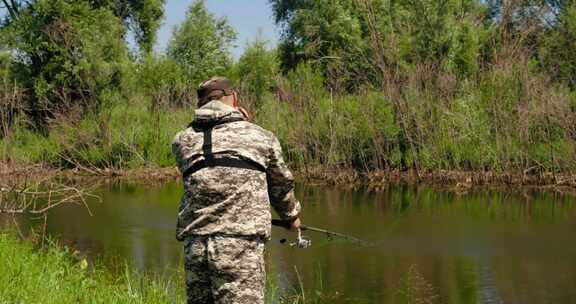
488 246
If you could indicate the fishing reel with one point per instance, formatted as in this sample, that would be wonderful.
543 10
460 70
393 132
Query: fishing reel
300 242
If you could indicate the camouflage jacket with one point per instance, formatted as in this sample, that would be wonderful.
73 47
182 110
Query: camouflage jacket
230 199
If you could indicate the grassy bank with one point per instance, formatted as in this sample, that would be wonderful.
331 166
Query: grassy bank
54 275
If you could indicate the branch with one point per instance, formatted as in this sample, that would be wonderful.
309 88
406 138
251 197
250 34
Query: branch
10 8
24 201
15 6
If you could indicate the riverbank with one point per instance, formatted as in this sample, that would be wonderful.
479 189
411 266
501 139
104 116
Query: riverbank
379 179
22 172
57 275
459 180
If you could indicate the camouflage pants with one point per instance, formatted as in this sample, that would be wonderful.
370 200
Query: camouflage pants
224 270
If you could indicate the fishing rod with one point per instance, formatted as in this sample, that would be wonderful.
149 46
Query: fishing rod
305 243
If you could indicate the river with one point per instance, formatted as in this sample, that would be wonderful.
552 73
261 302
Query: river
430 245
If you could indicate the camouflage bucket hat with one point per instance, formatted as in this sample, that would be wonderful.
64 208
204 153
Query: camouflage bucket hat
213 88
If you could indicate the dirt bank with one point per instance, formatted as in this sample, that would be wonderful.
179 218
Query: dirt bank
458 180
10 173
15 174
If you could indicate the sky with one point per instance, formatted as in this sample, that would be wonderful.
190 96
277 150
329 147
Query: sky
248 17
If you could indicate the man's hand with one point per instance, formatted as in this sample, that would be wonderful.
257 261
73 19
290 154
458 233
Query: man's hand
295 225
292 225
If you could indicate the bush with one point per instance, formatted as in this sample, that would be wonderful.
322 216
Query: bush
67 54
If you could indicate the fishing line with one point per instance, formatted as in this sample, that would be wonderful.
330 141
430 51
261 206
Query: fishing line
302 242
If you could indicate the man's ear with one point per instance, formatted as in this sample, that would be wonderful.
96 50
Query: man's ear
245 113
235 99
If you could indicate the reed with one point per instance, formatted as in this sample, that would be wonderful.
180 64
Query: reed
510 119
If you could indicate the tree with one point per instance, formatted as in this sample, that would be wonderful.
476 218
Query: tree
256 71
202 43
365 41
326 32
146 16
143 17
13 7
66 54
558 52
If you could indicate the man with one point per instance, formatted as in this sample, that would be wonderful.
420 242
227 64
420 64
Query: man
232 171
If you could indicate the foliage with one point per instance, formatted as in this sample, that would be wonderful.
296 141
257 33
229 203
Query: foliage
145 18
255 72
201 44
368 85
511 119
125 135
360 41
163 80
141 16
559 47
327 32
445 32
11 97
348 130
66 55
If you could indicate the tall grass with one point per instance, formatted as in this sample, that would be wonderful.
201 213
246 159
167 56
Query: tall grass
131 127
509 119
125 135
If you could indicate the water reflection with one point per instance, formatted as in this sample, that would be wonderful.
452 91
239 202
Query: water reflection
488 246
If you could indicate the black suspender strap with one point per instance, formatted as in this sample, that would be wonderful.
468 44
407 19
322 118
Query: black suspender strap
207 147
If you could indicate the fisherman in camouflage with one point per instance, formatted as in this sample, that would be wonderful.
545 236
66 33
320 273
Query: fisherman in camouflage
233 171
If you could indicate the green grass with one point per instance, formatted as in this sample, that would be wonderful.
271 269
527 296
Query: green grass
54 275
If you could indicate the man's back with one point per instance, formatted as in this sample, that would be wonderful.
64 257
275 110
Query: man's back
232 171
